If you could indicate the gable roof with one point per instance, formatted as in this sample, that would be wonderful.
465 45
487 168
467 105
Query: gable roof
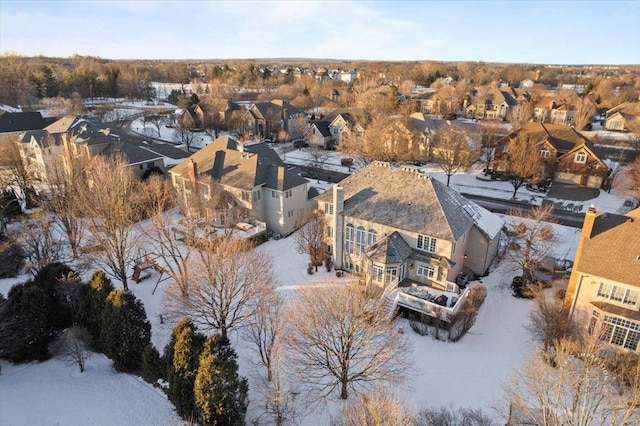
323 128
406 199
240 169
613 250
562 138
274 110
20 121
391 249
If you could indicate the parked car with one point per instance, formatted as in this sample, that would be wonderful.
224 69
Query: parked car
300 143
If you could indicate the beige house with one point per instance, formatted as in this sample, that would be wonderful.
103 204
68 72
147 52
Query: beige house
256 184
496 103
603 295
624 117
551 110
397 225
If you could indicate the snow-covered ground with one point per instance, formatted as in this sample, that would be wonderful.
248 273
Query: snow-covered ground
467 373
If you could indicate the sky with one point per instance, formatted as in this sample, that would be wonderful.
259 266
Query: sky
558 32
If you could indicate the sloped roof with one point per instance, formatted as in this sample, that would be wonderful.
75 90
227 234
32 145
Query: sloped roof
323 127
132 152
273 110
406 199
562 138
351 115
242 170
613 251
20 121
167 150
391 249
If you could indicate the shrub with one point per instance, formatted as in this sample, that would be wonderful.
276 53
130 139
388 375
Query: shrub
125 330
465 318
12 257
347 162
89 304
152 367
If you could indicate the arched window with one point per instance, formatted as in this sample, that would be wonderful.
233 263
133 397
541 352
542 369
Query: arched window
349 238
372 237
360 238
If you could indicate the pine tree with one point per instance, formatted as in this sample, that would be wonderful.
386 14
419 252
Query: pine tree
181 358
220 393
125 330
90 303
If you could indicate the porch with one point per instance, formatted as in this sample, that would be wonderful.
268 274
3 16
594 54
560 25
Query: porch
422 299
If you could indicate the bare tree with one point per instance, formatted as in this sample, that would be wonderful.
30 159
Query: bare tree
298 127
453 151
378 407
110 212
580 391
264 328
66 188
549 322
227 280
489 142
310 237
184 136
276 395
338 338
157 120
531 239
40 246
522 162
318 158
448 416
15 170
584 113
71 346
633 173
521 114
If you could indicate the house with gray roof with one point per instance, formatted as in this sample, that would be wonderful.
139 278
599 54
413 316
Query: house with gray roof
398 226
603 295
261 186
16 122
272 117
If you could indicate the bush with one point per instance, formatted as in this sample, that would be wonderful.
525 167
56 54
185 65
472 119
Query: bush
89 304
125 330
12 257
465 318
152 366
347 162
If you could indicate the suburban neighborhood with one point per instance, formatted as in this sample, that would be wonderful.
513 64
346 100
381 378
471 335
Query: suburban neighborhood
298 241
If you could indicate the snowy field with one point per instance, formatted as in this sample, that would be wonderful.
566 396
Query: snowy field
463 374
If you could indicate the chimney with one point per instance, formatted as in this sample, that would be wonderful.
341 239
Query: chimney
589 219
218 166
193 171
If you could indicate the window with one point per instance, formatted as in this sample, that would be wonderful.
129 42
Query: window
372 237
275 194
288 194
427 271
290 213
592 323
330 231
256 196
328 208
616 293
378 273
426 244
360 236
245 196
544 153
581 157
349 238
620 332
390 274
141 166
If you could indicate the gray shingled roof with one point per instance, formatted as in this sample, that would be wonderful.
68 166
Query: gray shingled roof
133 153
323 127
391 249
405 199
19 121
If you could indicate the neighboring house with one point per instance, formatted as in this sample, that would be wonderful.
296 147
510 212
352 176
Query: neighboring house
260 185
603 296
624 117
428 127
400 226
555 111
270 118
496 103
571 157
319 134
13 123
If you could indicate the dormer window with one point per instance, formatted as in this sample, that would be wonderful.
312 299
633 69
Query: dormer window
581 157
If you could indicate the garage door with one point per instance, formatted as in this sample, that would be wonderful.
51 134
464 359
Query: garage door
594 181
564 177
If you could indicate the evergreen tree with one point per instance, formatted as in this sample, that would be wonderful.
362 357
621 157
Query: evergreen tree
220 393
152 364
181 358
90 303
125 330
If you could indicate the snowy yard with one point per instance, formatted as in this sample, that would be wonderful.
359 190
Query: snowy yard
467 373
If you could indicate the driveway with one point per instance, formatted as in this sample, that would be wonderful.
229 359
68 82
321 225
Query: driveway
564 191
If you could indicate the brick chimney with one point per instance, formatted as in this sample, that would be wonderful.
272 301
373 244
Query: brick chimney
574 279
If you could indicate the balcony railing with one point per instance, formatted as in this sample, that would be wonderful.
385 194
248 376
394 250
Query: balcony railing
422 299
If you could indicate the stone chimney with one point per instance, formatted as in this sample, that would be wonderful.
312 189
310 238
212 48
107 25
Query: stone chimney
193 171
338 226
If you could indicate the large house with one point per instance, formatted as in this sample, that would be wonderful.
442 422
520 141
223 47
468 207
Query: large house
496 103
333 128
572 157
13 123
603 295
624 117
398 225
271 118
556 111
255 181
